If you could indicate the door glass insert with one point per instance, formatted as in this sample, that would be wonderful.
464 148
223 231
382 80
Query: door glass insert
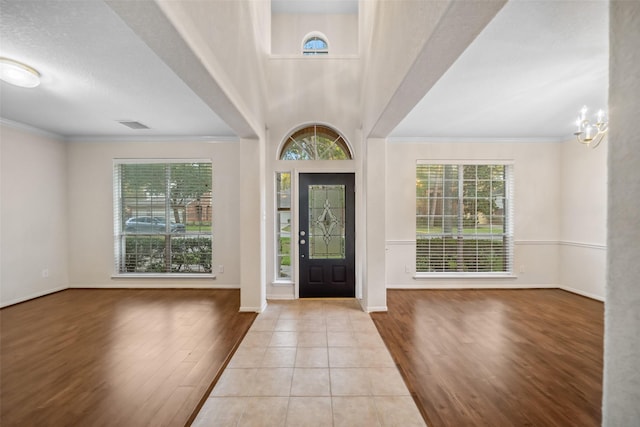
326 222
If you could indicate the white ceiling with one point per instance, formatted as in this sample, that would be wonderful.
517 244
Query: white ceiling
525 76
95 72
327 7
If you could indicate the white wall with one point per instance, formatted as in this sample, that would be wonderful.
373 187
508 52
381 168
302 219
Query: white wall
399 30
305 90
33 215
288 32
583 213
536 204
231 39
91 241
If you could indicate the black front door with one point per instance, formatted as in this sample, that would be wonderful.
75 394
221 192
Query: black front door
327 235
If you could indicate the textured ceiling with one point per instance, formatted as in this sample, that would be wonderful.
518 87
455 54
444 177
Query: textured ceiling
95 72
525 76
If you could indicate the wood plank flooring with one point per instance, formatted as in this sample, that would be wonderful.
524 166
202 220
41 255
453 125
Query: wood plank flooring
498 357
115 357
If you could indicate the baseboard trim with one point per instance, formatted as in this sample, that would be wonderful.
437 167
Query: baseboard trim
154 285
470 286
376 309
254 309
281 297
440 287
32 296
582 293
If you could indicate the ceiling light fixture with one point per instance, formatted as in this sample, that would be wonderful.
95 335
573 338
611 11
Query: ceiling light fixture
588 133
18 74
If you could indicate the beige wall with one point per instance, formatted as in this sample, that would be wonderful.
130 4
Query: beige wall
560 213
583 216
288 32
91 242
33 215
536 206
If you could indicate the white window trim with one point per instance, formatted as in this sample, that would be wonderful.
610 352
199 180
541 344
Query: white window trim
277 280
117 220
312 52
509 192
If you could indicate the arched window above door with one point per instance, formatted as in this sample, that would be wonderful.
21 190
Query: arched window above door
315 142
315 44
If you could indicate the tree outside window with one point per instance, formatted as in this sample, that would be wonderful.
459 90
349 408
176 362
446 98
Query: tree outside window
462 218
163 217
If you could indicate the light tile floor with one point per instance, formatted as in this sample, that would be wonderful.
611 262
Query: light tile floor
311 363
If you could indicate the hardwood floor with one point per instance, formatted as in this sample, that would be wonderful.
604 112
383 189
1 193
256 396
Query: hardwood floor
498 357
115 357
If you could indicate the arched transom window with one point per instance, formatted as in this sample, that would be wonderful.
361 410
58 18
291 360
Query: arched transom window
315 44
315 142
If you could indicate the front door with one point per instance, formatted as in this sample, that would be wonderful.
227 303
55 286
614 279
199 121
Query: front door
327 235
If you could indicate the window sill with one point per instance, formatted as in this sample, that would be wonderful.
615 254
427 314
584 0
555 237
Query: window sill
163 276
422 276
282 283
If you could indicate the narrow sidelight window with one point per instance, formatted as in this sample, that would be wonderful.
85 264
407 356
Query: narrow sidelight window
283 226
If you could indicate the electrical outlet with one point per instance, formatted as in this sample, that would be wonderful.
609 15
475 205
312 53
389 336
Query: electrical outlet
221 268
407 269
521 268
45 273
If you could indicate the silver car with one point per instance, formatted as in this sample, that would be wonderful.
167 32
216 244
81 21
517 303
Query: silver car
151 225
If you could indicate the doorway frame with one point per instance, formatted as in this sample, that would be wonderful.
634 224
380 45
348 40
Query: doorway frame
298 212
327 167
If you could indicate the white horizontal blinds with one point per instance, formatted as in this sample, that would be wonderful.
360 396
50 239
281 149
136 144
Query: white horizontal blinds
163 216
463 218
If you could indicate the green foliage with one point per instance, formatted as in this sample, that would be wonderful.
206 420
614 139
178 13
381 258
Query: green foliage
315 143
177 183
285 249
460 255
148 254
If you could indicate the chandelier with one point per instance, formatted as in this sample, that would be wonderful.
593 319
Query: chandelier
591 133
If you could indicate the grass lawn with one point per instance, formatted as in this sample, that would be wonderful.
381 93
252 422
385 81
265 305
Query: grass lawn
199 227
481 229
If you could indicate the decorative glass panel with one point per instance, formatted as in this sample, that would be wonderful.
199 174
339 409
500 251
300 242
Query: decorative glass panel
315 143
326 222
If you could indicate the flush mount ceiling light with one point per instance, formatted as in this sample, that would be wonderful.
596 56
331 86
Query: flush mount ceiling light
18 74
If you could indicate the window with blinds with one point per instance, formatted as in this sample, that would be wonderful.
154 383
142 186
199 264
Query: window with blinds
163 216
464 215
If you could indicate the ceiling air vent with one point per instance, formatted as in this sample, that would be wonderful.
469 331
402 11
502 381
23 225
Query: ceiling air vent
133 124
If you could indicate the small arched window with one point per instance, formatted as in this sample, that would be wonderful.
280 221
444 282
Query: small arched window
315 142
315 44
